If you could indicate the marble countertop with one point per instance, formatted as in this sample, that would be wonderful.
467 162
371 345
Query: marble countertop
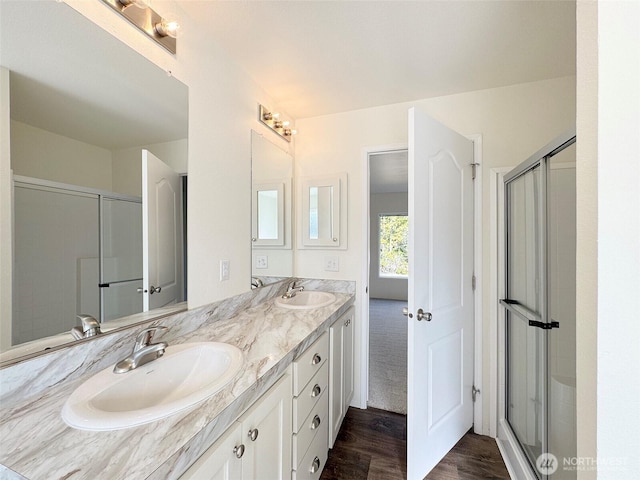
35 443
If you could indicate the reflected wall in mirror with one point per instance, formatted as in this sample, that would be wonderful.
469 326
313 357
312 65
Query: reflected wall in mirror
271 215
83 108
323 211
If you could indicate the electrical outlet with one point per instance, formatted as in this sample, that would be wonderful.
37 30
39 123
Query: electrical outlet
224 270
331 264
262 261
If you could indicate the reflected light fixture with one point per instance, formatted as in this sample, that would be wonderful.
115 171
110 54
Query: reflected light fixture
161 30
272 120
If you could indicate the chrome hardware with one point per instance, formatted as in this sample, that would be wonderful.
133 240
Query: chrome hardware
422 315
153 289
316 390
253 239
335 239
474 392
315 423
256 282
316 359
141 290
253 434
143 351
405 312
347 322
315 466
90 327
292 290
238 451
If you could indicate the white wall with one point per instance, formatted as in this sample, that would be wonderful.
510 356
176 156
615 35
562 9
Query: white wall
514 121
42 154
127 166
608 238
380 287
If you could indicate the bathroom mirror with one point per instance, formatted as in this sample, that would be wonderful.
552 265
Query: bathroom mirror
323 211
83 106
271 215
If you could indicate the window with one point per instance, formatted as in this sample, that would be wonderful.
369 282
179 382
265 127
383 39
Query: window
392 235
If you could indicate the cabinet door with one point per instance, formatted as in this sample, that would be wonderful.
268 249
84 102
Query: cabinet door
266 433
348 328
222 460
336 399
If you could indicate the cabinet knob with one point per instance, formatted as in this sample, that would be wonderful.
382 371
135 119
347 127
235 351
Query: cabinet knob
239 451
347 322
315 466
316 359
316 390
315 423
335 239
253 434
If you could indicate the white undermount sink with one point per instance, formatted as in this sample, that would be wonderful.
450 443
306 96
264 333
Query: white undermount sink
306 299
185 375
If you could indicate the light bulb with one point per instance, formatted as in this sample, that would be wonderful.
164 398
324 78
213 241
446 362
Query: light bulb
167 28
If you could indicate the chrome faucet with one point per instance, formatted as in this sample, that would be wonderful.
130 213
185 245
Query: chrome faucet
143 351
256 282
292 290
90 327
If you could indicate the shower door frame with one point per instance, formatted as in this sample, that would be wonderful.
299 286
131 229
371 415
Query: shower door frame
508 442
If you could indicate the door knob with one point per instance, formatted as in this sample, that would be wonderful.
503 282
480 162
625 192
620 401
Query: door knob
422 315
153 289
405 312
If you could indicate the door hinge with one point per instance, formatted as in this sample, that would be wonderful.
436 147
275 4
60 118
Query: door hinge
473 282
474 393
473 170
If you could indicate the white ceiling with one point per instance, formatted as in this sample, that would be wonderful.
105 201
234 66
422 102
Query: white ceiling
389 172
322 57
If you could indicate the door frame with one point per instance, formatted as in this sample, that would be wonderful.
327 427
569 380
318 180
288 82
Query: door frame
361 402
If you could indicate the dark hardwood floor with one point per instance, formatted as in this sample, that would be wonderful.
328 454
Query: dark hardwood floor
371 445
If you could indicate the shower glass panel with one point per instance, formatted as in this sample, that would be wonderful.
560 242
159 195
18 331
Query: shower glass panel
121 257
562 308
540 303
526 346
55 260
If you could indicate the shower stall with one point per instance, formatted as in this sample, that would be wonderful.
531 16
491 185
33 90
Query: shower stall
76 250
538 408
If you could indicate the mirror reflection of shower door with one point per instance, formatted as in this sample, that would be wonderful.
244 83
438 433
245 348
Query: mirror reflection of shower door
121 257
526 346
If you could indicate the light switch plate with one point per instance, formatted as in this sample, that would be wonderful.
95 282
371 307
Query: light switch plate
224 270
332 264
262 261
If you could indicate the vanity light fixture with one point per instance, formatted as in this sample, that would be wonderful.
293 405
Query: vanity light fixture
272 120
161 30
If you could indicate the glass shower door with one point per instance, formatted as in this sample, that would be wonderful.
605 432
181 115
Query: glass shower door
120 257
526 346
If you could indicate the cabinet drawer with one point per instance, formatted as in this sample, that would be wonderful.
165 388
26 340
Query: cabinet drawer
310 468
317 420
309 396
305 366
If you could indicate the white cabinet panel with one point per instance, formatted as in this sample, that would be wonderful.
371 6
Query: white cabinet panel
257 446
340 371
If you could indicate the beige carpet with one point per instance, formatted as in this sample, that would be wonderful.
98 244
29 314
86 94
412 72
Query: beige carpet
387 355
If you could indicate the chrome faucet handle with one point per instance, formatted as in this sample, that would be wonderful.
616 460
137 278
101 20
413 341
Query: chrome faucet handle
90 326
143 339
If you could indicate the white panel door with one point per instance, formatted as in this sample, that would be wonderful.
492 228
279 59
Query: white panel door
160 230
440 345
